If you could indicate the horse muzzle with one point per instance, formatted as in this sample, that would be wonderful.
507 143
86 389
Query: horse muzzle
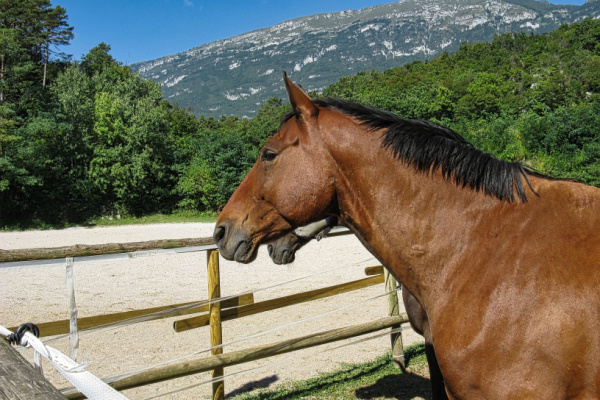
234 244
281 256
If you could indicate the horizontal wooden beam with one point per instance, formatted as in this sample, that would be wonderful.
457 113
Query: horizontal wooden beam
60 327
83 250
184 368
378 270
273 304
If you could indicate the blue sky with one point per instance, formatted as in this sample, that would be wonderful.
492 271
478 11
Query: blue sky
141 30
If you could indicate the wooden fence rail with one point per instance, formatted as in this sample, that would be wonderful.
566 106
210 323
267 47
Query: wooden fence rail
280 302
84 250
172 371
62 326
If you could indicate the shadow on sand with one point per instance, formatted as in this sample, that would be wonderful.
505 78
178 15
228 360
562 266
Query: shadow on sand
250 386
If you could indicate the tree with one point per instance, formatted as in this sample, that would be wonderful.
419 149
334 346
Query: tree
484 95
7 49
264 125
211 177
31 27
132 151
98 60
54 31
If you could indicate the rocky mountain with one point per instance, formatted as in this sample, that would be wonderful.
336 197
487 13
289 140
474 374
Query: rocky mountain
236 75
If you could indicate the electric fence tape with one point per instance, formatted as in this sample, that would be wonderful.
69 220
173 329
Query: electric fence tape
86 382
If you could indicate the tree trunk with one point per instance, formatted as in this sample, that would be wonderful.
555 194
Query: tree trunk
45 65
1 76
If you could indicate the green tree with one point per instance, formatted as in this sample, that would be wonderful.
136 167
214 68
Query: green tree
485 95
32 27
566 142
264 125
98 60
54 31
132 151
220 164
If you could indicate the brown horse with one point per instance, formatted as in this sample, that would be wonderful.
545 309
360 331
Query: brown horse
283 250
505 263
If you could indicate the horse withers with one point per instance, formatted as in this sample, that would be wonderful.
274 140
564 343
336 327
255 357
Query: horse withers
283 251
505 262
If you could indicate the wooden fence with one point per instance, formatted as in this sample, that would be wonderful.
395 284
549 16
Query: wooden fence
217 312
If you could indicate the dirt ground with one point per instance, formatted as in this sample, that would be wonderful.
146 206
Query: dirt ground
39 294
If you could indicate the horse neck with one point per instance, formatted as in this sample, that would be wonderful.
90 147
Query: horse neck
408 220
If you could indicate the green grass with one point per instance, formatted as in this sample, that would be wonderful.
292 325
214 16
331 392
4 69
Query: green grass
155 219
179 217
377 379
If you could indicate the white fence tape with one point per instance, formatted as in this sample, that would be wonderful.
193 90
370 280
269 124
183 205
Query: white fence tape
83 380
73 348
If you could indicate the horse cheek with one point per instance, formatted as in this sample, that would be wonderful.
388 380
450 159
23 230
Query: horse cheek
304 201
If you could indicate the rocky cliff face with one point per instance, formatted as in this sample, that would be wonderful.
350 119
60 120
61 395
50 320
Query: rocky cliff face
234 76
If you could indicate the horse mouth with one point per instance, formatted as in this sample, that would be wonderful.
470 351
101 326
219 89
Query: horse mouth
288 257
281 257
235 245
245 252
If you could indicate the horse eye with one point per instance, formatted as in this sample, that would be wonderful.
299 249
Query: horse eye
268 155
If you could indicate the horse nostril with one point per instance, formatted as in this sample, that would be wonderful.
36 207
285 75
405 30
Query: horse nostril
219 234
270 249
288 257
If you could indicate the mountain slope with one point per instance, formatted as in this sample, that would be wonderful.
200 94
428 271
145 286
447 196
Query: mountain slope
234 76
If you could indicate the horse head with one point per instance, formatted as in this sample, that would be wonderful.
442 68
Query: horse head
287 187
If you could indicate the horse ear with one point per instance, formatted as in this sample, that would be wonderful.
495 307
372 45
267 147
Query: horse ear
301 103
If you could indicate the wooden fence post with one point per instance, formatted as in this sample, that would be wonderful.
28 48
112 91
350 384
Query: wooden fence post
20 380
393 308
216 333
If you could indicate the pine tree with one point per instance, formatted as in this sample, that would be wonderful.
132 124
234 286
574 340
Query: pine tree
55 31
29 29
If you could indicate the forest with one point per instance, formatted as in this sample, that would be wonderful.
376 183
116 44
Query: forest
81 139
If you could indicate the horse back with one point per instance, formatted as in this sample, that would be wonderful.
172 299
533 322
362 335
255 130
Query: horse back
522 311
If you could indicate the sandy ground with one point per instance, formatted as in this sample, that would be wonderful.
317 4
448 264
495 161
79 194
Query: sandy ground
39 294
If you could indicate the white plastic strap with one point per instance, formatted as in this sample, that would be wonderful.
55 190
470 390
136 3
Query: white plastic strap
309 231
83 380
73 348
37 362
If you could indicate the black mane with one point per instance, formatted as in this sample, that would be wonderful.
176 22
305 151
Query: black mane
427 147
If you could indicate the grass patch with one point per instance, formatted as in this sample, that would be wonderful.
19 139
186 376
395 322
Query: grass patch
155 219
31 225
180 217
377 379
